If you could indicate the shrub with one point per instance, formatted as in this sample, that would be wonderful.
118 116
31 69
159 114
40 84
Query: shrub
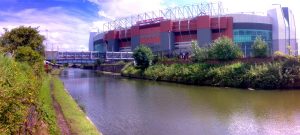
155 72
143 56
279 54
228 75
265 76
259 48
18 91
290 72
26 54
224 49
22 36
199 54
131 71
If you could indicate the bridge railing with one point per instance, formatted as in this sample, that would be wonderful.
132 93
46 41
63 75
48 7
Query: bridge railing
119 55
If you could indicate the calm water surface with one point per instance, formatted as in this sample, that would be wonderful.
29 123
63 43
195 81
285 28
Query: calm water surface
139 107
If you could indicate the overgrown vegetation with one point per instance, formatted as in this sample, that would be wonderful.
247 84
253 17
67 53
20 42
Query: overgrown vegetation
73 114
224 49
22 36
271 75
25 89
143 56
259 48
199 54
21 76
283 72
18 91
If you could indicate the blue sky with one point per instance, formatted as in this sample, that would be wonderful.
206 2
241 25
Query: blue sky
67 23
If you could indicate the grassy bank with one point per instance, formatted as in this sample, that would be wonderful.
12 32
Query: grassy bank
76 118
19 87
46 107
271 75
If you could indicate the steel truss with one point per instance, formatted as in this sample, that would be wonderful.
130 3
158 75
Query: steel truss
176 13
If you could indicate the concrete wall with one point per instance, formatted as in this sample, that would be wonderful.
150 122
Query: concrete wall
166 41
204 37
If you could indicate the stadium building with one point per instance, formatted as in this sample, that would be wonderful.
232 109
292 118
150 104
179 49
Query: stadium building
172 30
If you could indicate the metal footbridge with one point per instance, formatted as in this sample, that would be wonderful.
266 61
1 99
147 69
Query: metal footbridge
87 57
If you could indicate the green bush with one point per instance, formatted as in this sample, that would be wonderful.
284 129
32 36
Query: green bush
282 74
259 48
22 36
199 54
228 75
290 72
264 76
224 49
26 54
155 72
18 91
143 57
132 71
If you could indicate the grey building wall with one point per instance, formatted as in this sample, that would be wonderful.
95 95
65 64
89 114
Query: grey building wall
204 37
113 46
167 40
135 41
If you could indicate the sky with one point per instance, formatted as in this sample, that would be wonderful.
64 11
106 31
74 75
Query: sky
66 23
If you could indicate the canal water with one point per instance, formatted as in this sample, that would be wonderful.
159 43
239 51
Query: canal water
139 107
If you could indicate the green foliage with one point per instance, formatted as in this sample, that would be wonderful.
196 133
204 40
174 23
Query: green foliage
279 54
265 76
26 54
46 108
224 49
291 72
199 54
131 71
228 75
259 48
283 74
26 45
22 36
194 73
143 56
18 91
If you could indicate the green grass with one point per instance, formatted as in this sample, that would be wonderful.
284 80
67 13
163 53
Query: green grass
74 115
46 107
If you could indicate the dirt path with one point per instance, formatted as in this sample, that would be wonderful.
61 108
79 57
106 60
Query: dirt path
61 121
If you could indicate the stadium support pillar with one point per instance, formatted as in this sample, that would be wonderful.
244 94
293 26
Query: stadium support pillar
204 35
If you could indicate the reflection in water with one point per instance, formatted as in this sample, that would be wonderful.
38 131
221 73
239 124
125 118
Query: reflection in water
134 107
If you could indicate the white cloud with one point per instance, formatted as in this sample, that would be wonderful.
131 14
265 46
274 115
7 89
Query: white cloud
65 32
112 9
123 8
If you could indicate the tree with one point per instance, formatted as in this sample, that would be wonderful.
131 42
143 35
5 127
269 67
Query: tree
224 49
143 56
22 36
26 54
259 48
